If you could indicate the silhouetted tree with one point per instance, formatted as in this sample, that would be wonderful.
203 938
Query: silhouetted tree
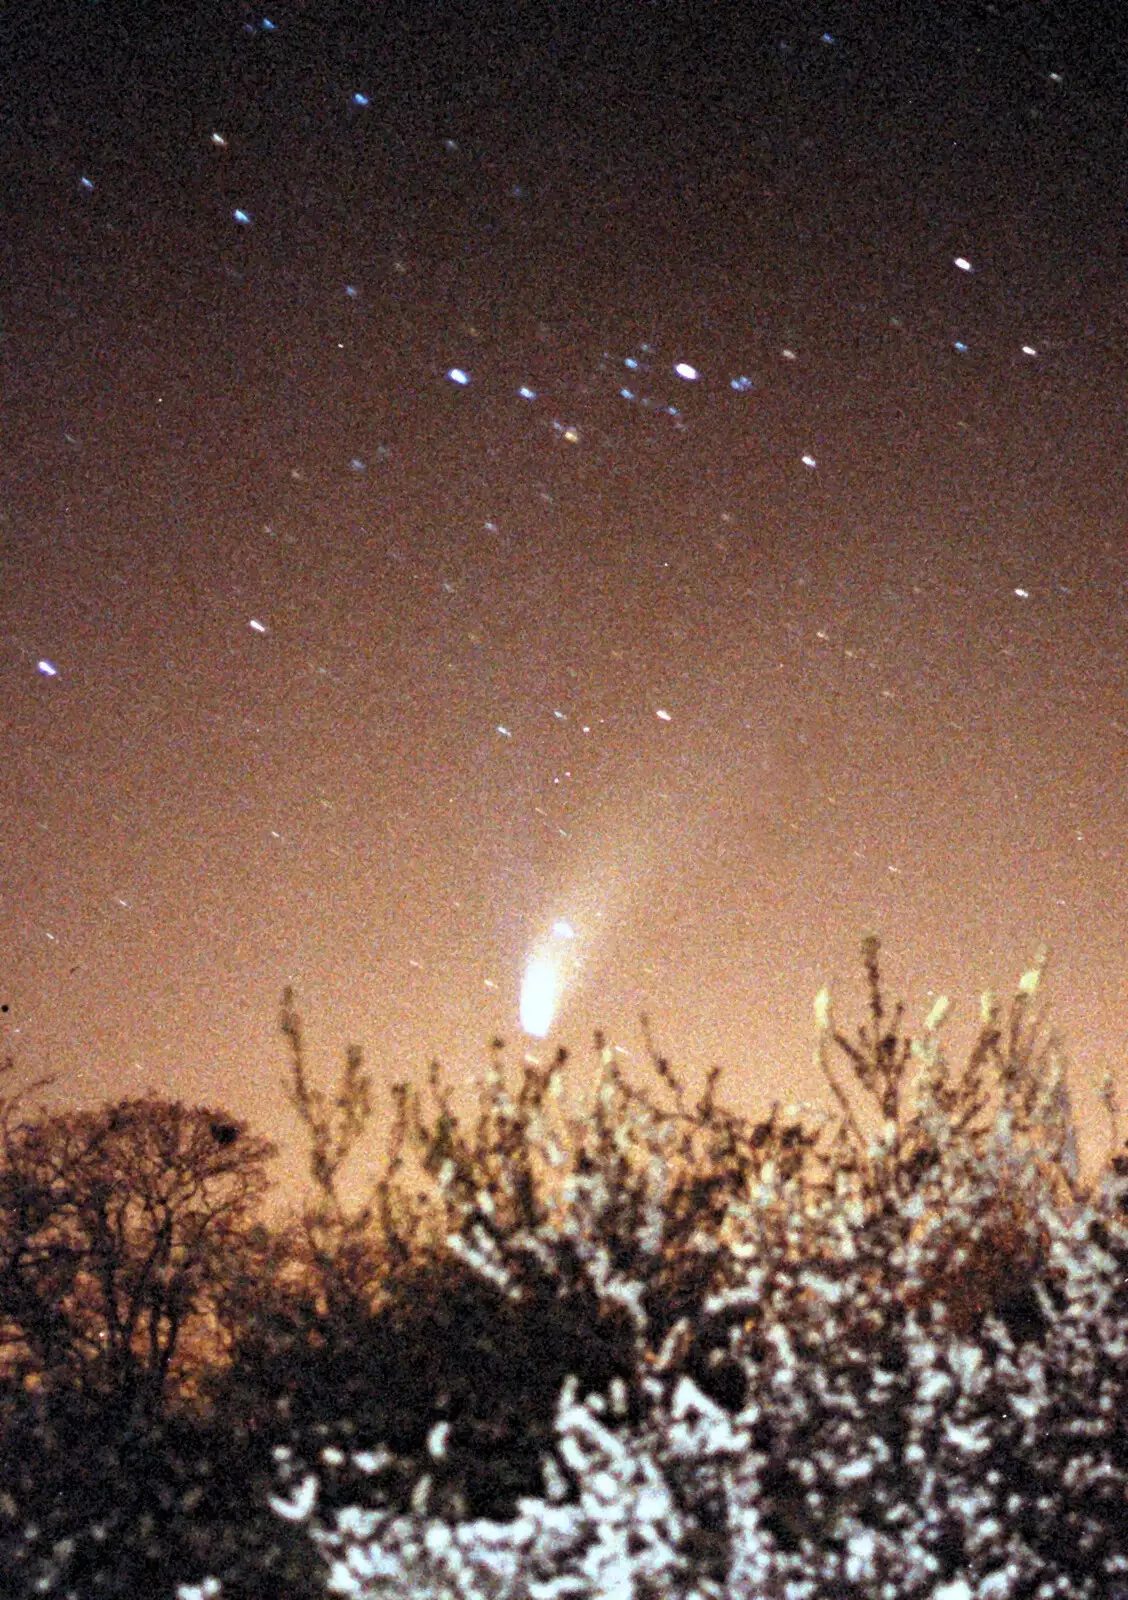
119 1229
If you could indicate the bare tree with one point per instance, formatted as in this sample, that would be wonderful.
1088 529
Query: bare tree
119 1228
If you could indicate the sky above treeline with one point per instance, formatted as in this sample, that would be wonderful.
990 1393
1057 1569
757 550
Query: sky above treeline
624 500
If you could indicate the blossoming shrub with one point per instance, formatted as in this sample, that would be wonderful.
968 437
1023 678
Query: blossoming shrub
543 1244
918 1310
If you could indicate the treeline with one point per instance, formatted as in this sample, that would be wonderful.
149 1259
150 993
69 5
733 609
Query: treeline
879 1348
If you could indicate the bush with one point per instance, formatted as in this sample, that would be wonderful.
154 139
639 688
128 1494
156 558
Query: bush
917 1311
645 1347
94 1501
542 1246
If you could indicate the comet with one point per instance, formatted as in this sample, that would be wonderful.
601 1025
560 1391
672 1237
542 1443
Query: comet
543 983
540 993
564 949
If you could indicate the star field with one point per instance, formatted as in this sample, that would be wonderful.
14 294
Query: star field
637 493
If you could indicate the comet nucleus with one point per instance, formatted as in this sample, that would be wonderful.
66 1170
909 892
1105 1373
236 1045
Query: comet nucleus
540 990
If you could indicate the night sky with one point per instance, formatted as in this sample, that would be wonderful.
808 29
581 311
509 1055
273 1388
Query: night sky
632 487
